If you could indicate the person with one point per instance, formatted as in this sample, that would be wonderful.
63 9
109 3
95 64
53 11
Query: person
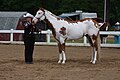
29 38
117 37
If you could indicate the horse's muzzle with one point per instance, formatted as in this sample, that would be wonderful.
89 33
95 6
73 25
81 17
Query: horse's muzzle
35 20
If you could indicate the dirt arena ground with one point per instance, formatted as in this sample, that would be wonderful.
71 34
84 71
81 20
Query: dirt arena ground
45 67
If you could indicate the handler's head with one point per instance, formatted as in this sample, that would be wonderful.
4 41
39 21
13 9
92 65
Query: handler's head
28 17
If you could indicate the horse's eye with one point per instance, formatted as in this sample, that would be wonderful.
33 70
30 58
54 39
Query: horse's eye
38 13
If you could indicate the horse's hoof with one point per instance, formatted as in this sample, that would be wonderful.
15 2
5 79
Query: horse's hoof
63 62
59 62
93 62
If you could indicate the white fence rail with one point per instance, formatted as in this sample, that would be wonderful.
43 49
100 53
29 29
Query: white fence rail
48 35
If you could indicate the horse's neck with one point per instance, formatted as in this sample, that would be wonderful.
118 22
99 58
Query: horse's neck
50 17
48 23
51 20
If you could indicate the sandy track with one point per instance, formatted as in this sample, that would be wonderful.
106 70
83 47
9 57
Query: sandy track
45 67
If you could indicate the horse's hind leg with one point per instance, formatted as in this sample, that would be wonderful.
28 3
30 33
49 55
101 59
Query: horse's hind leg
94 56
93 43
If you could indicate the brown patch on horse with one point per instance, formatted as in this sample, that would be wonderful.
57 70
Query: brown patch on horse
92 40
99 20
62 31
85 19
95 44
96 24
51 28
89 39
94 37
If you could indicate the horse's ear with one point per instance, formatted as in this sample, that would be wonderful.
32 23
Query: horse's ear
41 8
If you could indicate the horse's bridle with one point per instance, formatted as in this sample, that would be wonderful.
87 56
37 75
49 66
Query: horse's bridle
41 15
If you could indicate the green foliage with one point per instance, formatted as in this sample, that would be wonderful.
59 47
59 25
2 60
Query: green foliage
61 6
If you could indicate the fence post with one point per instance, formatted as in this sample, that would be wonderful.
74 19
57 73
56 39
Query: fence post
85 40
11 35
48 36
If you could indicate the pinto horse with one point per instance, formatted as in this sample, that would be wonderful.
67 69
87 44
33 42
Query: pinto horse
63 30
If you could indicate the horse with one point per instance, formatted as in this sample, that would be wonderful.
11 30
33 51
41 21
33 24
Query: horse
104 27
63 30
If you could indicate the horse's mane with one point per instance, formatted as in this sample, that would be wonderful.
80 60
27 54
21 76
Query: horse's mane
68 20
59 18
51 13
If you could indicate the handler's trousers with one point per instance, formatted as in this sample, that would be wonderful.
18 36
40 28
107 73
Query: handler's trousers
29 47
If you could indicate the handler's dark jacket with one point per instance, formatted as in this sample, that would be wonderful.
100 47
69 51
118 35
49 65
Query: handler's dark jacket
28 31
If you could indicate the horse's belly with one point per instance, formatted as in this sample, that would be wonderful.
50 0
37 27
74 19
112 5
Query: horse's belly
75 35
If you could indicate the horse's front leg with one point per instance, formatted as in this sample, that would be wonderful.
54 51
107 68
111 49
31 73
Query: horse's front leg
63 53
62 56
95 51
60 53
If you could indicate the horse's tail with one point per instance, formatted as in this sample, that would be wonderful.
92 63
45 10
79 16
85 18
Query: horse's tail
99 25
98 45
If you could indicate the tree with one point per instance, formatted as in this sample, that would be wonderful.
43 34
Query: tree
61 6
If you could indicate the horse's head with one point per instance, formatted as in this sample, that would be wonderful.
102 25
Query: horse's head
40 15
